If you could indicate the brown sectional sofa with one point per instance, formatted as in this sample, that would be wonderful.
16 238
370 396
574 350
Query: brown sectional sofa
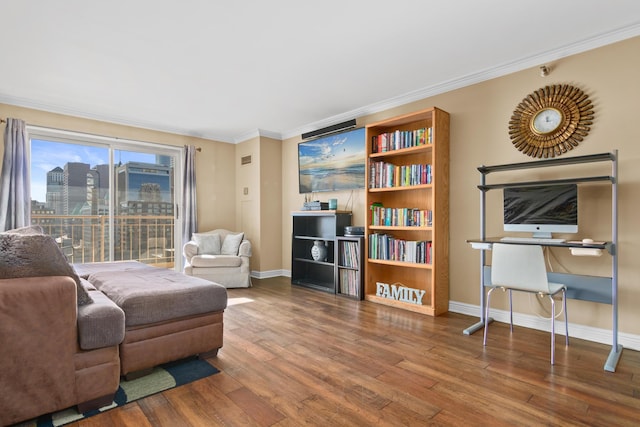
44 368
57 354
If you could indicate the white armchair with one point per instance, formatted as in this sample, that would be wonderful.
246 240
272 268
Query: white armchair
221 256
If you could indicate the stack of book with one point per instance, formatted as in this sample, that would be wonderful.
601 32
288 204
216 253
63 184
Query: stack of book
385 175
349 255
400 139
348 282
388 248
406 217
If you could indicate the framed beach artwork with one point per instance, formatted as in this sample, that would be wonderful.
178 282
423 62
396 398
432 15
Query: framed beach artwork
332 163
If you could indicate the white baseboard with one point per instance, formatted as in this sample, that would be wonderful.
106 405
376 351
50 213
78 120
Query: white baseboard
588 333
270 273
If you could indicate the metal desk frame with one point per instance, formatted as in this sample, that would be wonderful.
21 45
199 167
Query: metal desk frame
587 288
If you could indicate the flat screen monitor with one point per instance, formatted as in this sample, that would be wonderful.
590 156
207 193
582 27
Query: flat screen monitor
333 162
541 210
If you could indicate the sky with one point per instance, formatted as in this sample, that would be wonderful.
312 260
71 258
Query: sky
46 155
340 150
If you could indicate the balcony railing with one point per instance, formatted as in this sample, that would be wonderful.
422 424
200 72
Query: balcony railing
85 238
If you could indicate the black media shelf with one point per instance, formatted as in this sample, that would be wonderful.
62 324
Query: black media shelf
326 226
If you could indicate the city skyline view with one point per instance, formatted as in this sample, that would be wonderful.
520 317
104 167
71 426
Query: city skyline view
47 155
93 218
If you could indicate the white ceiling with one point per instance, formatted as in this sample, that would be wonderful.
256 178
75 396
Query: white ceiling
227 70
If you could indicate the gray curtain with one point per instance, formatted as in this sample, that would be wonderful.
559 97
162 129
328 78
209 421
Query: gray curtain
15 188
189 205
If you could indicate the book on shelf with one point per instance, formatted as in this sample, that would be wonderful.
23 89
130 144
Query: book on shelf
388 175
404 217
400 139
349 255
388 248
348 282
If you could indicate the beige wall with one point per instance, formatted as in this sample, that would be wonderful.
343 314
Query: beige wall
215 188
247 205
479 119
270 210
259 200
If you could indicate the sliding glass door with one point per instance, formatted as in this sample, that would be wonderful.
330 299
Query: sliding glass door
144 207
103 199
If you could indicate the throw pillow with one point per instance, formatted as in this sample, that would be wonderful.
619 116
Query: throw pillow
36 255
208 243
29 229
231 244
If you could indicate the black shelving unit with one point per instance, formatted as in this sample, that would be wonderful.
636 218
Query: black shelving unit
309 226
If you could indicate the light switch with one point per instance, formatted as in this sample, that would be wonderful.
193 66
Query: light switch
246 190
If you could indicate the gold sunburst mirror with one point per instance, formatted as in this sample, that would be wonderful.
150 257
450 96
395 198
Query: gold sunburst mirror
551 121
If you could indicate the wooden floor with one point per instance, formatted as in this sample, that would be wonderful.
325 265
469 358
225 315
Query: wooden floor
294 357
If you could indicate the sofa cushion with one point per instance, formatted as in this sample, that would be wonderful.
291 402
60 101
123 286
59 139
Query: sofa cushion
150 295
231 244
216 261
207 243
84 270
36 255
100 324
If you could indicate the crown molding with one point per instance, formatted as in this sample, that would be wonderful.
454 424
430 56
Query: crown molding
114 119
256 133
270 134
123 121
246 136
474 78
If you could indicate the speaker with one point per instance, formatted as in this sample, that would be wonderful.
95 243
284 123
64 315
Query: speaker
330 129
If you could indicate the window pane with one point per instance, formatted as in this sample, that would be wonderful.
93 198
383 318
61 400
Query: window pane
70 197
72 194
144 210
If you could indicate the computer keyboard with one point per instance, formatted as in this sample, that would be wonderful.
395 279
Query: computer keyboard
530 240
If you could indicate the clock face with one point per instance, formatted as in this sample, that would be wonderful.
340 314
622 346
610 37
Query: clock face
546 121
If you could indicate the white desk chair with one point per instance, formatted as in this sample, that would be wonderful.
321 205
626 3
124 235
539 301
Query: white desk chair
522 268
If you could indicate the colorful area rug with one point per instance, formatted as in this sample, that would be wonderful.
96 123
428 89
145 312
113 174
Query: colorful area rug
162 378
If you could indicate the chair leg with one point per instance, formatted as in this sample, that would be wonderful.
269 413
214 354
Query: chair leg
566 320
553 329
486 317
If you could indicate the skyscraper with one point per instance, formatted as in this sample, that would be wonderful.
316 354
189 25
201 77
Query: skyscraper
98 189
74 194
55 189
143 182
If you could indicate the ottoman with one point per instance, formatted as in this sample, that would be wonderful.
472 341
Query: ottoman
168 315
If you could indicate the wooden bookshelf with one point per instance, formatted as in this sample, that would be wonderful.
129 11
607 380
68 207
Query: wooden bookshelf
408 171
